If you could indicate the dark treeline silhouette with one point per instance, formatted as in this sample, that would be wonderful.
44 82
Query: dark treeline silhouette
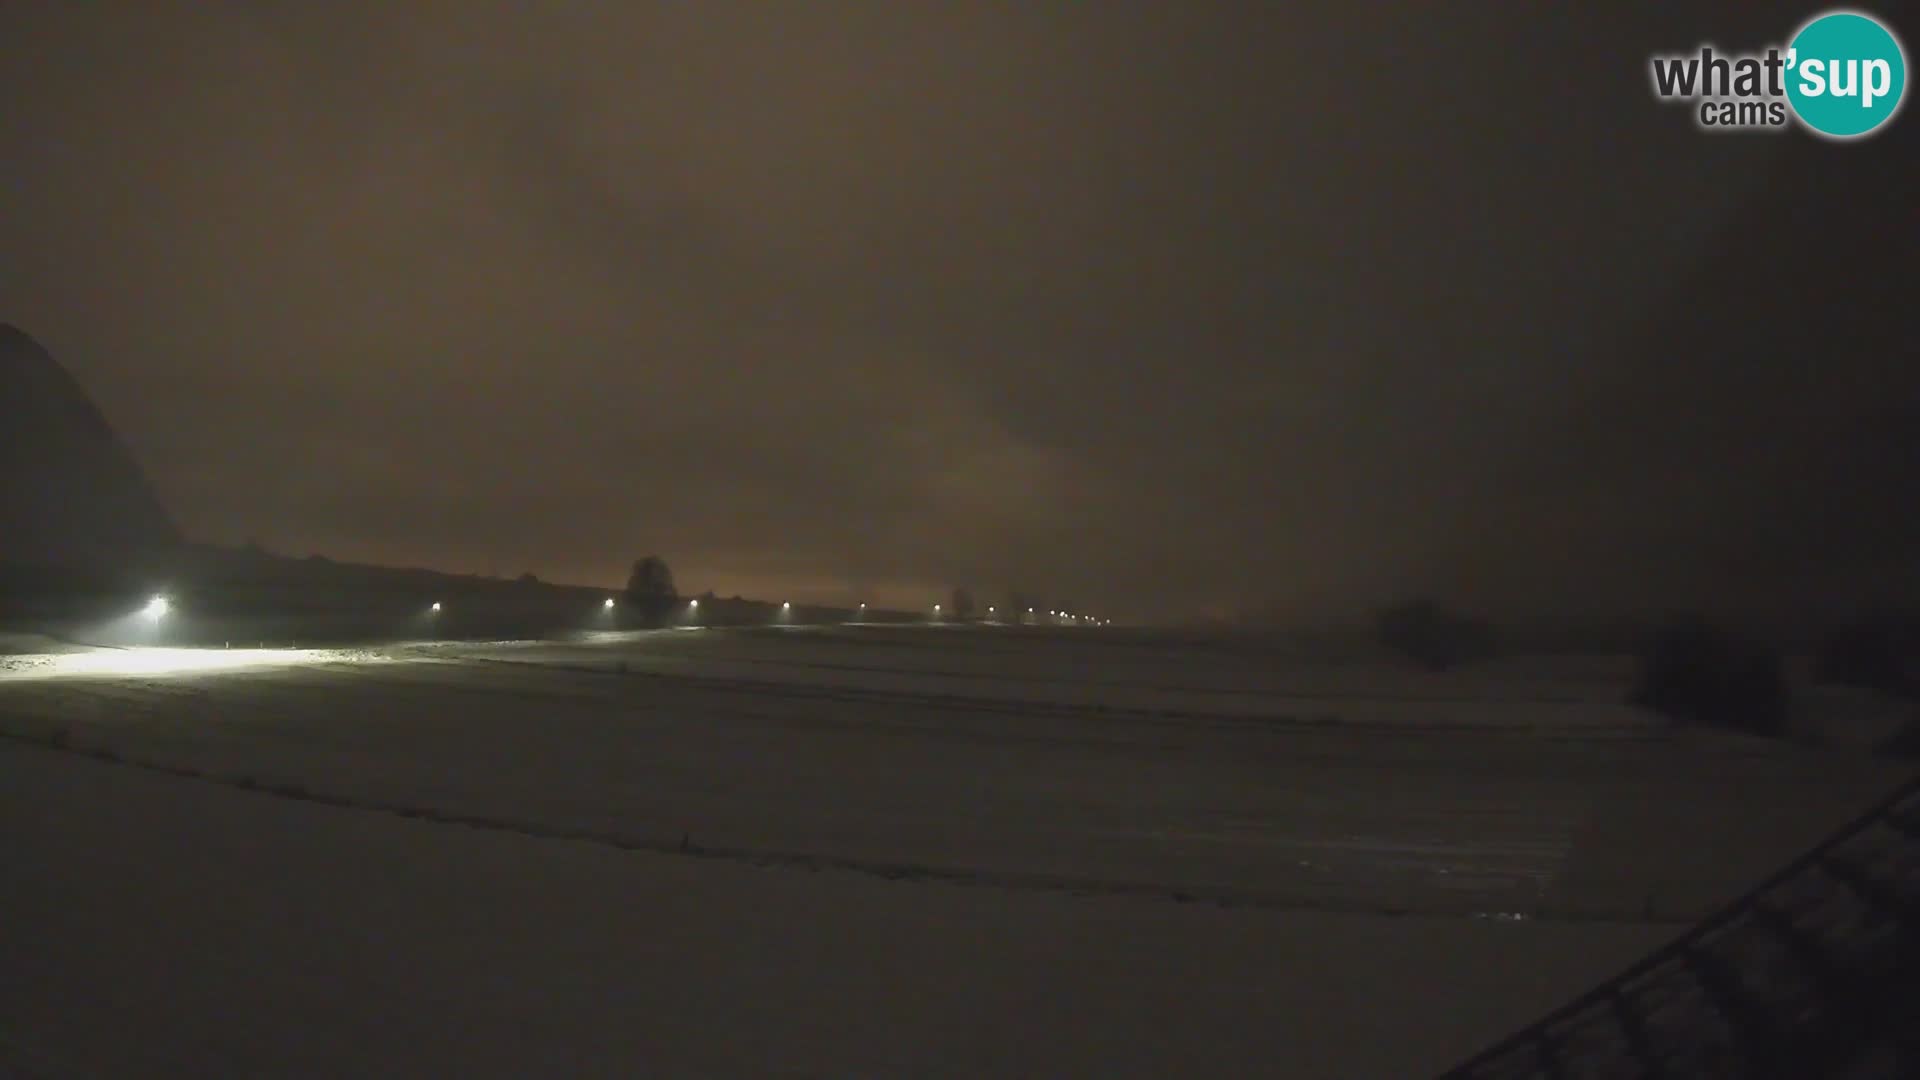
1698 673
1877 652
1432 635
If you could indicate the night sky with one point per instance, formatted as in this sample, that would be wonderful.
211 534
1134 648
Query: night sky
1159 309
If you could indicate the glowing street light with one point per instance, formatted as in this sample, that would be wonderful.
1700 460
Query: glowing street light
608 604
695 604
435 606
156 607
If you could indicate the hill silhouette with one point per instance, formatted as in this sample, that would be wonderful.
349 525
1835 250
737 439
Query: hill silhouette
73 494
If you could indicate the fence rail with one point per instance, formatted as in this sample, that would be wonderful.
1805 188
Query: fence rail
1814 973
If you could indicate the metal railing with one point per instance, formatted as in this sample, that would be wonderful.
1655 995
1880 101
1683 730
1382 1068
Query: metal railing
1814 973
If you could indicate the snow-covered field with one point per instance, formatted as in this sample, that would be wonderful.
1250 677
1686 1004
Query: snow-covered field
846 851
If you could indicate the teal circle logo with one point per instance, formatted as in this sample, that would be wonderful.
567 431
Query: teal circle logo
1846 74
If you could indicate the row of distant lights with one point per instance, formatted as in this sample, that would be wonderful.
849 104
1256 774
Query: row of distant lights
1088 619
160 605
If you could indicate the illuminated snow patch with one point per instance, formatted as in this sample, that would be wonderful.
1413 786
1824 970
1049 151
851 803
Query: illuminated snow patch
159 661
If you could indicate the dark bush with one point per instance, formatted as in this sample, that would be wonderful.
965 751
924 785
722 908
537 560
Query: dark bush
1696 673
1880 654
1431 635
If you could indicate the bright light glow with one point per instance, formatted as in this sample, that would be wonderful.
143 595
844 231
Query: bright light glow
435 607
608 604
156 607
690 603
936 607
147 662
784 604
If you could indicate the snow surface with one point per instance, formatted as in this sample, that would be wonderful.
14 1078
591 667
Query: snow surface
833 851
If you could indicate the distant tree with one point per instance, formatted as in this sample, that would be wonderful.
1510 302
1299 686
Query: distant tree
962 603
1697 673
1431 635
650 591
528 578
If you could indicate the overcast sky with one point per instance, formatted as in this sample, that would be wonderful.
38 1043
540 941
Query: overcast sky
1154 308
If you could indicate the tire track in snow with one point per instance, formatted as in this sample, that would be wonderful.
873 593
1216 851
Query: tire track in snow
818 862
